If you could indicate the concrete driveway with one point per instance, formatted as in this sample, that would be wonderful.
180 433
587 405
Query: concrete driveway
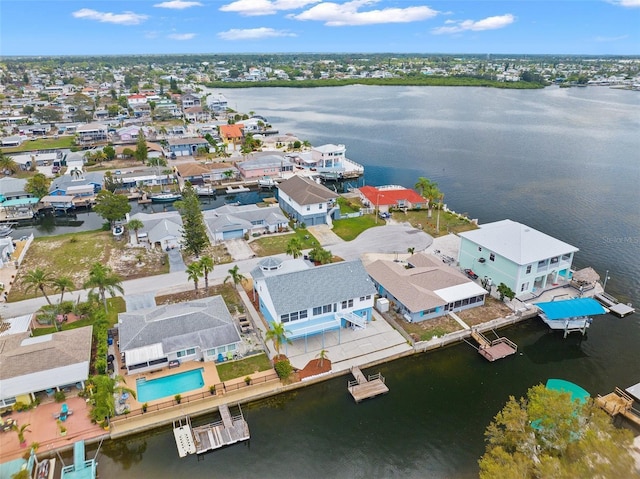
239 249
324 235
384 239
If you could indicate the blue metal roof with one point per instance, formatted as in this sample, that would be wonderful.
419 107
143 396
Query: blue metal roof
571 308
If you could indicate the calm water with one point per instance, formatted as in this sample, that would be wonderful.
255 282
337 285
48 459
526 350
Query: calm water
563 161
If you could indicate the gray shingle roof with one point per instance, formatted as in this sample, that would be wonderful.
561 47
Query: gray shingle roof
205 323
318 286
305 191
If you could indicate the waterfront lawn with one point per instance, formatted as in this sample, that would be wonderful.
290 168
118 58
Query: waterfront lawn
268 245
425 330
349 228
243 367
73 254
348 205
42 144
449 222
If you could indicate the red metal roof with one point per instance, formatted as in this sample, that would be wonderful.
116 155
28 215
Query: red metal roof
391 197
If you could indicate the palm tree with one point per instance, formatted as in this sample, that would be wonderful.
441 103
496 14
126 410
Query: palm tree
429 190
62 284
103 279
38 279
194 273
411 250
294 247
322 355
8 164
20 430
206 263
278 334
135 225
235 276
105 388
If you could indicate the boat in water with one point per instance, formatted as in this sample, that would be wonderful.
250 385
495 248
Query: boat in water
5 230
266 182
205 190
570 315
165 197
240 189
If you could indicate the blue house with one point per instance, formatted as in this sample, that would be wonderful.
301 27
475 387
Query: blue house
427 289
186 146
313 300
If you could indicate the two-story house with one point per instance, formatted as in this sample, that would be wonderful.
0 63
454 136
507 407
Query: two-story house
306 201
517 255
313 300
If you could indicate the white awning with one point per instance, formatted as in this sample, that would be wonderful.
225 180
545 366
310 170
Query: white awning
461 291
145 354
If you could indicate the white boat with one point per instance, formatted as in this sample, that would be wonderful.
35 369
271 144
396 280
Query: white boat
205 190
118 231
5 230
165 197
570 315
266 182
239 189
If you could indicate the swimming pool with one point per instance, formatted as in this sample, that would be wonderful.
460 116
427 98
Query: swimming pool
149 390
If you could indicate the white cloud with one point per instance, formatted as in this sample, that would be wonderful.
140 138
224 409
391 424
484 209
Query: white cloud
178 4
124 18
253 34
253 8
489 23
338 15
181 36
626 3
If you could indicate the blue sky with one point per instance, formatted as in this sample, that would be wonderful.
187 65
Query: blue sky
95 27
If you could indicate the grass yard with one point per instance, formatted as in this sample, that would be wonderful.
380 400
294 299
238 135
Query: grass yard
227 290
268 245
349 229
243 367
42 144
73 254
449 222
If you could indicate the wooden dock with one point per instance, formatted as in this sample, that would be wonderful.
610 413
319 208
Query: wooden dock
493 350
200 439
612 304
619 403
365 388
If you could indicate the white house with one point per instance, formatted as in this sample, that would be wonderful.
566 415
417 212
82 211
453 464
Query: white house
161 230
517 255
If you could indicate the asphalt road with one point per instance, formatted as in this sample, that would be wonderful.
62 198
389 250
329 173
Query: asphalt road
395 238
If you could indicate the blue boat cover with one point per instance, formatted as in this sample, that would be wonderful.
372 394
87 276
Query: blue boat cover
577 393
571 308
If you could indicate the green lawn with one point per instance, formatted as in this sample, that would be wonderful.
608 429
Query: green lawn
42 144
349 229
269 245
449 222
243 367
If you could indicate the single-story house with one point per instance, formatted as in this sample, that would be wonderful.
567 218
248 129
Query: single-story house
191 331
517 255
314 300
235 221
306 201
11 141
43 363
391 196
427 289
186 146
265 166
162 230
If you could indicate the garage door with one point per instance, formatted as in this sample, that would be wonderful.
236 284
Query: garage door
232 234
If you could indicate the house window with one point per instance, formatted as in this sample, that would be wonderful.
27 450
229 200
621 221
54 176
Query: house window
284 318
188 352
528 269
479 248
368 296
492 257
308 208
347 304
566 257
554 260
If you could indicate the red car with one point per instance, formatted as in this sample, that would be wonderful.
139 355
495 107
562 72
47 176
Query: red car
470 273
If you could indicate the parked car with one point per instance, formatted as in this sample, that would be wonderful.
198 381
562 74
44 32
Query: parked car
470 274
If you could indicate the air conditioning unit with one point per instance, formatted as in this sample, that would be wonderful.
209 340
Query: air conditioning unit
481 260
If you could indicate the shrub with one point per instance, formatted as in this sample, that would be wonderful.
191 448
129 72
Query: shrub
283 369
178 398
59 396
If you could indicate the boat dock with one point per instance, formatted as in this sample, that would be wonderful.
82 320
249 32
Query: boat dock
200 439
365 388
614 306
81 468
619 402
493 350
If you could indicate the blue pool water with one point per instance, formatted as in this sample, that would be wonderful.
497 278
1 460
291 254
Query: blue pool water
149 390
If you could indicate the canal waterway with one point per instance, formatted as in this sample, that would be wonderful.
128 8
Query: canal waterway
564 161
